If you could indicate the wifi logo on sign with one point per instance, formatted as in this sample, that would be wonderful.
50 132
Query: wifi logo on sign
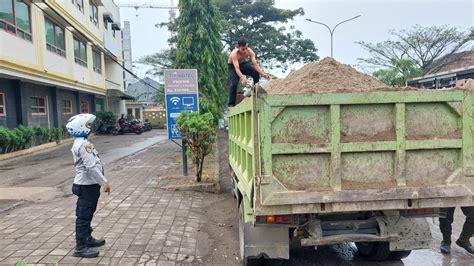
175 100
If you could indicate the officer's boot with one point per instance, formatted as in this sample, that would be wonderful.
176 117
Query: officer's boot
446 244
463 241
84 251
92 242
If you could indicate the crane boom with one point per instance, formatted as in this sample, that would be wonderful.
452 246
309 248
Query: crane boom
137 6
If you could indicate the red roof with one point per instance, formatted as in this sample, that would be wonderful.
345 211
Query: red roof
452 61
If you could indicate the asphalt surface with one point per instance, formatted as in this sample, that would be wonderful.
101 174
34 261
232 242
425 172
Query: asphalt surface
45 175
218 240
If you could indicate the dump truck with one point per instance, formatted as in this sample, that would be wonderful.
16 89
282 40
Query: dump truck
362 167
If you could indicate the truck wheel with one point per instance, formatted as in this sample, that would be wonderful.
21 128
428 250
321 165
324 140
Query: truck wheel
398 255
233 185
373 250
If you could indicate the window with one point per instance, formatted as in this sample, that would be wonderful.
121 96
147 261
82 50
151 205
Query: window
84 106
54 38
2 104
79 4
96 61
15 18
80 52
67 107
129 112
38 105
137 113
93 13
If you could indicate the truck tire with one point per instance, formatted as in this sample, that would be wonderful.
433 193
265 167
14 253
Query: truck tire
377 251
398 255
233 185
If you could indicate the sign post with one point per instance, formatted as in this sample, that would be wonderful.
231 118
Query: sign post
181 90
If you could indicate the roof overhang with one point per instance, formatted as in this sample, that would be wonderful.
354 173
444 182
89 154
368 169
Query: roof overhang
120 94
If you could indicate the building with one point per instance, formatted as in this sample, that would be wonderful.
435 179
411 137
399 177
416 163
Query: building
59 58
447 72
128 79
143 91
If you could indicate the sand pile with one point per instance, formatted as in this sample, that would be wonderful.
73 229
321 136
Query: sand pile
465 84
327 75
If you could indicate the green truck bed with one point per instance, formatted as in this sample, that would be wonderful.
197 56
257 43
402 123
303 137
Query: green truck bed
345 152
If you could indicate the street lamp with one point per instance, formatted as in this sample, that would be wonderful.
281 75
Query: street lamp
332 31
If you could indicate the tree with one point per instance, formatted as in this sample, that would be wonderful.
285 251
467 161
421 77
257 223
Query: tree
276 47
199 134
399 73
199 46
256 20
159 61
423 45
159 96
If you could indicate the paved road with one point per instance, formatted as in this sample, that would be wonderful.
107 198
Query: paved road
141 223
150 226
41 176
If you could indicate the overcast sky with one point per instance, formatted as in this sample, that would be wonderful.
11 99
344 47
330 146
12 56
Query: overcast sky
377 18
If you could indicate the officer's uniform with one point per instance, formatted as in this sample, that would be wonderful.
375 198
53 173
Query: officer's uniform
89 177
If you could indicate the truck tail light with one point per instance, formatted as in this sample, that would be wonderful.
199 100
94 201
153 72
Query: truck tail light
275 219
421 211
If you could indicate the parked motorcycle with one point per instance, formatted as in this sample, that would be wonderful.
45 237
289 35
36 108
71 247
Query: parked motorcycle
147 125
130 126
108 130
107 127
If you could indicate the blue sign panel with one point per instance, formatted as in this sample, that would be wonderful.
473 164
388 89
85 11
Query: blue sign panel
181 89
175 104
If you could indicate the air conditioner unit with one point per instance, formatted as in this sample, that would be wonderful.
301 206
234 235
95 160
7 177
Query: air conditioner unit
108 17
116 26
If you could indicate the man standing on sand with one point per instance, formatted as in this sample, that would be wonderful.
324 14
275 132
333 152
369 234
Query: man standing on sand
239 66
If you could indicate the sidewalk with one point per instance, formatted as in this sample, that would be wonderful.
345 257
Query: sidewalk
141 224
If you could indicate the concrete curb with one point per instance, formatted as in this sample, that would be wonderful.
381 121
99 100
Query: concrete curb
199 187
34 149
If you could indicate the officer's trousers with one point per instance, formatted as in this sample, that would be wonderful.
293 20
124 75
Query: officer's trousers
88 196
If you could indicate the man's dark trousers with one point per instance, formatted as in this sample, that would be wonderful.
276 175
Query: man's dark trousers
445 224
246 69
88 196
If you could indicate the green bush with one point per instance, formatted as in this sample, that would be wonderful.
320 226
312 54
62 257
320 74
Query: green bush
56 135
24 137
27 134
64 132
20 140
5 139
199 133
42 135
104 119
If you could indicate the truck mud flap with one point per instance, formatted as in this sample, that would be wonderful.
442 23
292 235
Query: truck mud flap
267 241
